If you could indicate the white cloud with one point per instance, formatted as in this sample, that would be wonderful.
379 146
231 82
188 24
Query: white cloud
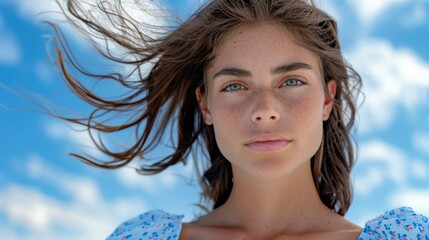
369 11
381 162
130 178
34 9
369 181
42 215
7 233
393 159
46 217
419 169
49 10
386 168
416 198
163 181
392 78
76 135
421 142
81 189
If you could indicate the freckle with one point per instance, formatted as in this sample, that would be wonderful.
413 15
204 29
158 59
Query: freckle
306 219
266 227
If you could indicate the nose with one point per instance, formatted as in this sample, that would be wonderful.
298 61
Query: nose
265 109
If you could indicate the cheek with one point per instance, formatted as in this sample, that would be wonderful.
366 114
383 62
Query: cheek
308 110
226 112
308 122
224 115
228 121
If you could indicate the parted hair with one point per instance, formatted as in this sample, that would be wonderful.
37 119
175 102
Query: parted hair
164 92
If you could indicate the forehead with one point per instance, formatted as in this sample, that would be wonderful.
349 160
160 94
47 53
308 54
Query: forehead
262 43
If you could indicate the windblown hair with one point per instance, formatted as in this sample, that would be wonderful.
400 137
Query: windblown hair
180 57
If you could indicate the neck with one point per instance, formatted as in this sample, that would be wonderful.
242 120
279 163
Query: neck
262 206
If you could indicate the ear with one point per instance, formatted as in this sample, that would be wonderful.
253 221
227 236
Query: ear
331 88
202 102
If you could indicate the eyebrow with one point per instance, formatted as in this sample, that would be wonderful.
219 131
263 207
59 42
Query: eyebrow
232 72
238 72
290 67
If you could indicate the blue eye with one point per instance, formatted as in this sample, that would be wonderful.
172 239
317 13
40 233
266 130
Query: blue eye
292 83
233 88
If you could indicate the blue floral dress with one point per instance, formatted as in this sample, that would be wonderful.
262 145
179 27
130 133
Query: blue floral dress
398 224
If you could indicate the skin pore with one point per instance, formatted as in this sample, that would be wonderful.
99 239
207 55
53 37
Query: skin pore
266 101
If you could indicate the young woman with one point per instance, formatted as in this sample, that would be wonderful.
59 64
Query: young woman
260 87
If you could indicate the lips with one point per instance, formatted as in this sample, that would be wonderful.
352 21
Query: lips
267 143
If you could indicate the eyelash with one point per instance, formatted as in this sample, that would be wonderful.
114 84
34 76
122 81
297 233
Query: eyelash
225 89
298 83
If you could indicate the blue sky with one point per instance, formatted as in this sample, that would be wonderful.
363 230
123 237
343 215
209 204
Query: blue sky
46 194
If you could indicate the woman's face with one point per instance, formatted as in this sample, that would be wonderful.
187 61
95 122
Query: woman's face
266 101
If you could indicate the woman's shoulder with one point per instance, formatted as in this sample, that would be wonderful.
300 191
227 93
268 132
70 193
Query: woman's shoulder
400 223
154 224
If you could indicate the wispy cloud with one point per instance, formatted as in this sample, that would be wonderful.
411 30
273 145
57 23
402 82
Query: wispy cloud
369 11
49 10
163 181
421 142
393 79
73 134
36 10
382 162
10 50
83 214
369 180
417 198
417 16
419 169
43 71
81 189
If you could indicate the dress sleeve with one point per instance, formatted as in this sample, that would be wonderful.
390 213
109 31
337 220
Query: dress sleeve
398 224
152 225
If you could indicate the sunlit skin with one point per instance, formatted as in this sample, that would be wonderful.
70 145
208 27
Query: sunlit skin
263 88
266 101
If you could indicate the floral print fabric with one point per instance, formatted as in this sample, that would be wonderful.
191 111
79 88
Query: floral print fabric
398 224
152 225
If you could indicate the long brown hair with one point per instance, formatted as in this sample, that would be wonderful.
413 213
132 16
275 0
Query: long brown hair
164 95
